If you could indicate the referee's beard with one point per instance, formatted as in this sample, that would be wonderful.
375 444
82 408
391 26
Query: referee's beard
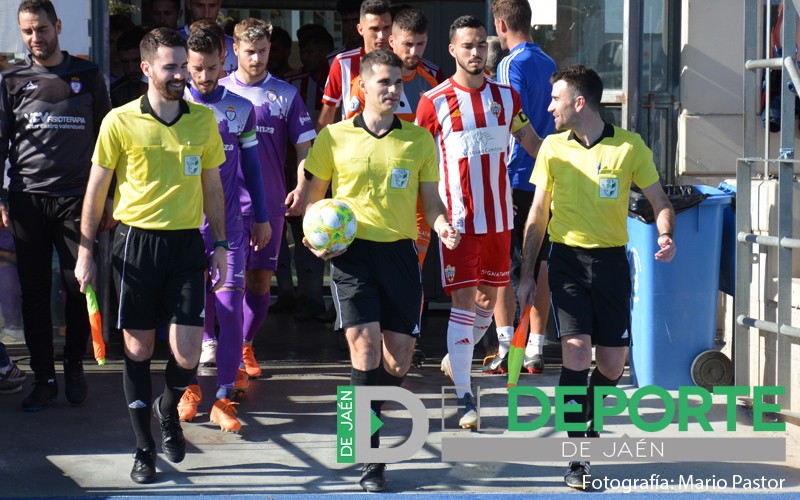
171 90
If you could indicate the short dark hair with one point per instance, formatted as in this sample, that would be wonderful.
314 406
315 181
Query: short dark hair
251 29
130 39
34 6
411 20
118 23
213 27
582 81
204 41
280 36
314 33
159 37
374 7
380 57
465 22
496 54
515 13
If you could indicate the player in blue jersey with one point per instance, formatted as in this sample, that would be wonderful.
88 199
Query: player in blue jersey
527 69
236 118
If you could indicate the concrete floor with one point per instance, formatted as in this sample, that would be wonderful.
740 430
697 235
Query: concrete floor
287 443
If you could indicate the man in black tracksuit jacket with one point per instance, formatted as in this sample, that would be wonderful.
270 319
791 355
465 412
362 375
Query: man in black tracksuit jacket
51 107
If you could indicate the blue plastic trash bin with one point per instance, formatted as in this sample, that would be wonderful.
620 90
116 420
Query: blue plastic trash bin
674 305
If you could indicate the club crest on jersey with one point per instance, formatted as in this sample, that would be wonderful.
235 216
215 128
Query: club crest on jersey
609 188
400 178
75 84
272 96
230 114
495 108
450 273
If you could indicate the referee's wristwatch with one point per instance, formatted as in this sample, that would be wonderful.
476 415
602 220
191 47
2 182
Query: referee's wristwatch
222 243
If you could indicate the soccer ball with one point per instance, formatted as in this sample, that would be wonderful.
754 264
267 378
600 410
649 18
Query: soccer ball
329 225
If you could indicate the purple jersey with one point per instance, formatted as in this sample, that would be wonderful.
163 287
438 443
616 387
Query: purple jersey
281 119
236 119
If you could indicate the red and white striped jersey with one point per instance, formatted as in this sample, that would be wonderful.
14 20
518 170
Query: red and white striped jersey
332 55
472 128
343 71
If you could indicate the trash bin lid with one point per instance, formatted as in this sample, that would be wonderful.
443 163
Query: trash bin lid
681 197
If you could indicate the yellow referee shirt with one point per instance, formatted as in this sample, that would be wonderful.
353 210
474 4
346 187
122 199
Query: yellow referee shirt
158 165
377 176
590 186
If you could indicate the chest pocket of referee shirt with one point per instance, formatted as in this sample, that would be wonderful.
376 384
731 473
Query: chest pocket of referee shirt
144 164
191 160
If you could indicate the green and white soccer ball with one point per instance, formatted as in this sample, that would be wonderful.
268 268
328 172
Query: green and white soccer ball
329 225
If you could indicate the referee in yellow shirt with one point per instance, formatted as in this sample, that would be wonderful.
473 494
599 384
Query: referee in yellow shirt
584 175
379 164
165 153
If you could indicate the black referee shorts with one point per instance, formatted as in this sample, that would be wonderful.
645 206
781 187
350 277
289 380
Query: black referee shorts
381 282
591 293
159 277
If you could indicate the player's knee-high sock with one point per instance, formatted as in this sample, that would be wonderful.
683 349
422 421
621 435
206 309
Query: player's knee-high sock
483 318
139 396
208 325
176 380
459 347
572 378
597 380
369 377
229 345
255 311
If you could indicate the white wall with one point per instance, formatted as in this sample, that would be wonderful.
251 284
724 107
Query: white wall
712 59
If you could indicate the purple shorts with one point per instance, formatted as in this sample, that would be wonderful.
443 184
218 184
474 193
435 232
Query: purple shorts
236 255
267 257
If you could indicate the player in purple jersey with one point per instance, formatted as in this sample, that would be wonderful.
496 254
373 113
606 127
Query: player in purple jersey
236 118
281 116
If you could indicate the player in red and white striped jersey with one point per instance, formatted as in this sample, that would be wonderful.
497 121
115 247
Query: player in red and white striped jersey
472 120
375 26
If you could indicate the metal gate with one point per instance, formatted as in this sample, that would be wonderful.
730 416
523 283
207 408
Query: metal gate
780 237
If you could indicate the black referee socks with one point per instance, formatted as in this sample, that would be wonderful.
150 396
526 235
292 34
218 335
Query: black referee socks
572 378
139 396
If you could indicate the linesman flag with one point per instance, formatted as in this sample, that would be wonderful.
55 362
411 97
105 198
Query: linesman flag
97 326
516 351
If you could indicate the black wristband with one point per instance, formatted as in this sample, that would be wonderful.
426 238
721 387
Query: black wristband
669 235
222 243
